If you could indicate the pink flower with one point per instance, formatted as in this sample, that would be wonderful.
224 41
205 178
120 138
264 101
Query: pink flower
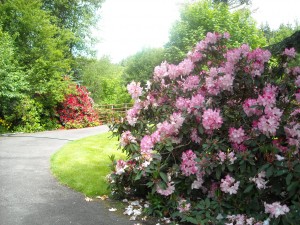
177 120
166 192
186 66
237 135
249 108
120 167
269 96
182 103
161 71
297 81
238 219
155 137
196 101
268 125
231 157
191 83
292 132
259 180
195 56
146 144
275 209
198 183
134 89
127 138
297 95
188 164
226 82
290 52
211 119
228 185
183 206
195 137
222 157
131 116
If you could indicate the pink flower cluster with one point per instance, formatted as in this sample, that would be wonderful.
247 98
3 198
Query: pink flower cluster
290 52
228 185
190 83
199 181
260 180
188 165
195 137
166 192
222 156
134 89
292 132
240 219
268 123
256 59
275 209
131 114
120 167
127 138
211 120
146 146
183 206
237 135
173 71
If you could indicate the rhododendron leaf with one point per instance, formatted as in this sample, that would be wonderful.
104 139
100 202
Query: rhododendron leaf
163 176
249 188
218 172
269 171
200 129
288 178
280 172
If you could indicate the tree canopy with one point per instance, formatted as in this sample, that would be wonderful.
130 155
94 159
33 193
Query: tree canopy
205 16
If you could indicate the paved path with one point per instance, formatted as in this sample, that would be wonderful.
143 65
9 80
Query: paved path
29 195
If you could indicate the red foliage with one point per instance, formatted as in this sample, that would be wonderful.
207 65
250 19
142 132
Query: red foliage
77 110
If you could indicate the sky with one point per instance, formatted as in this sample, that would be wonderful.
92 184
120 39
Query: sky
127 26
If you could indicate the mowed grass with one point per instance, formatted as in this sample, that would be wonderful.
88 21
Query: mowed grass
84 164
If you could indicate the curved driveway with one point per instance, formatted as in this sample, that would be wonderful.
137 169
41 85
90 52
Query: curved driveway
29 195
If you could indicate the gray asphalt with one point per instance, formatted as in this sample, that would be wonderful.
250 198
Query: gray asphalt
30 195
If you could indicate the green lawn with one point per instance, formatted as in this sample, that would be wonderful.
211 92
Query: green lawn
84 164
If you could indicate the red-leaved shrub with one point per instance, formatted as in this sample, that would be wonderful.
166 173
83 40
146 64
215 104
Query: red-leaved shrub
77 110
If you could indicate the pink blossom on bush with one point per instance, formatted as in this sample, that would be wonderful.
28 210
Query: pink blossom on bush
292 131
183 206
146 144
228 185
222 157
199 181
195 137
182 103
186 67
290 52
190 83
268 125
249 107
211 119
188 164
196 101
120 167
194 56
297 81
226 82
260 180
177 120
161 71
238 219
166 192
127 138
269 96
275 209
231 157
297 95
134 89
237 135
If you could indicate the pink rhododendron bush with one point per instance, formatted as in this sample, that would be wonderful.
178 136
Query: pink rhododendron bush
216 138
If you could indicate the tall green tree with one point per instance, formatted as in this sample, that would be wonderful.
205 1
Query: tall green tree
77 17
140 66
103 80
201 17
